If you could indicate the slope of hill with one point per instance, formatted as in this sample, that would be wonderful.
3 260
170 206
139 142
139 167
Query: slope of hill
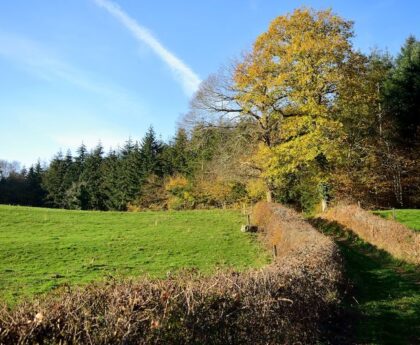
44 248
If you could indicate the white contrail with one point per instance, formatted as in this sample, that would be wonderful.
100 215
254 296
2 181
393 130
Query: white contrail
189 80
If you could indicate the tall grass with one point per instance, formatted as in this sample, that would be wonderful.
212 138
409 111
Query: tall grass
389 235
291 233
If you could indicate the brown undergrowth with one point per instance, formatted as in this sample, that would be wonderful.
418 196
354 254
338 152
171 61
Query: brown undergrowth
284 303
389 235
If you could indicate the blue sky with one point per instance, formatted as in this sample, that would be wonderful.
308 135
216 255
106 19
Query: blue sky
90 70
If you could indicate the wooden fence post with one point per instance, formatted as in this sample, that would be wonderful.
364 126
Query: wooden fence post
274 251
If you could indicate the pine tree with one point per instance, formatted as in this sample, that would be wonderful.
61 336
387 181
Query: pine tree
131 172
93 177
112 185
180 153
53 181
150 152
35 193
71 174
402 92
80 159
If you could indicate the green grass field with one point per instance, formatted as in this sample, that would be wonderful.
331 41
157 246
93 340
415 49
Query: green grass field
410 218
41 249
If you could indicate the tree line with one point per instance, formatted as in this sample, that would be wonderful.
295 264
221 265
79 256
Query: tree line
146 174
303 119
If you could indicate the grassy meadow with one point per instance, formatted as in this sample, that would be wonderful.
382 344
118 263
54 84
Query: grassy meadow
41 249
410 218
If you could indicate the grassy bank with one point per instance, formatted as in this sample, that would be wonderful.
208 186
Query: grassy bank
41 249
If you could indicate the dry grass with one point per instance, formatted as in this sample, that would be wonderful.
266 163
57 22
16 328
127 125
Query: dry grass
291 233
389 235
286 302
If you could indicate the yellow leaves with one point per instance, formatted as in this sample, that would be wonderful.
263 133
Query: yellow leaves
214 189
292 83
256 189
308 140
176 183
179 196
299 53
179 189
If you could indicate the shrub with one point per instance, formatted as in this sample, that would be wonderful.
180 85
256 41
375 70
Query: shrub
179 193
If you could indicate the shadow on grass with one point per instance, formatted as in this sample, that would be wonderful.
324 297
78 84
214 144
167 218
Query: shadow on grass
383 305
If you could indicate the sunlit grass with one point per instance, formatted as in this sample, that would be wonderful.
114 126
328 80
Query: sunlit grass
41 249
410 218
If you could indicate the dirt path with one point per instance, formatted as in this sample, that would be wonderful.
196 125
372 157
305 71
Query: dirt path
383 304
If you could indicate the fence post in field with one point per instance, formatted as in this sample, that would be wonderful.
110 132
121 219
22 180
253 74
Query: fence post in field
274 251
393 213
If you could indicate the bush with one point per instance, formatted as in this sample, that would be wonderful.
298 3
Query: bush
179 193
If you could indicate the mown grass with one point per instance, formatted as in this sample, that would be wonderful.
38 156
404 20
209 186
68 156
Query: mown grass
383 307
41 249
410 218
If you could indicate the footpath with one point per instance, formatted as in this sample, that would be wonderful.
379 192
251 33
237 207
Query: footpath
382 304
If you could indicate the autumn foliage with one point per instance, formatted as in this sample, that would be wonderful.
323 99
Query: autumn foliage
324 120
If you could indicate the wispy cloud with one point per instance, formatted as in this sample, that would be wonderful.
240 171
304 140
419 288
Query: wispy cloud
183 73
43 63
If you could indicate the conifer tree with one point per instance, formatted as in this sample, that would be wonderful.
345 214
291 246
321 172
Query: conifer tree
35 193
111 182
80 159
131 173
71 172
402 93
53 181
150 151
93 177
180 153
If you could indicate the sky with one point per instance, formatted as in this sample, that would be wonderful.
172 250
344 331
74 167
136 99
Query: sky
98 70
